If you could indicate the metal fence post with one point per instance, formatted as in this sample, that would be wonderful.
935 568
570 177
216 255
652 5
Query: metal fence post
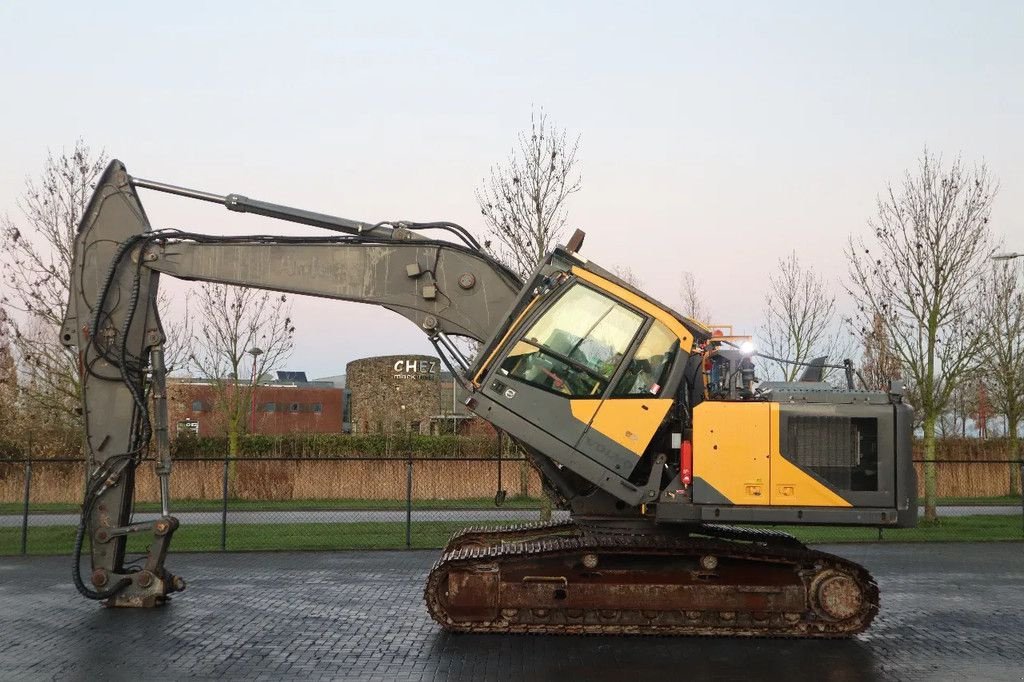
408 502
224 508
24 513
499 494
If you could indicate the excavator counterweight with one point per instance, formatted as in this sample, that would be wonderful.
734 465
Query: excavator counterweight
651 430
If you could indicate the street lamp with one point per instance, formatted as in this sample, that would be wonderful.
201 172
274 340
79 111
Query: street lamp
1007 256
255 353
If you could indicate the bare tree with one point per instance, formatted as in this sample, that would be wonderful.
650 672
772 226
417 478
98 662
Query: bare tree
626 274
241 334
1002 308
179 332
962 403
8 386
35 259
692 303
920 271
36 252
523 201
880 366
800 320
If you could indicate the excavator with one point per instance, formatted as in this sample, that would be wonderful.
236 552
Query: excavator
674 462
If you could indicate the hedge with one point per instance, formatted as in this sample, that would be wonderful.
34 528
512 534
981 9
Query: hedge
340 445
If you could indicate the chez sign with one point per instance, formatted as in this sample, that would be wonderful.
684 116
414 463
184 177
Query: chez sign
414 369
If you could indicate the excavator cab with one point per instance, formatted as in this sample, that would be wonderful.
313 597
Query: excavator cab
591 363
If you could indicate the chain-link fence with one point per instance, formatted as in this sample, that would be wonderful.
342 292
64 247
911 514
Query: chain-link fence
282 503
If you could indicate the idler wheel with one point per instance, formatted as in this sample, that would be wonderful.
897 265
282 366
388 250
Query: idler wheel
837 596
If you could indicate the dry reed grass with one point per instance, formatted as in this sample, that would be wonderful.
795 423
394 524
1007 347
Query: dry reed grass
54 482
311 479
976 479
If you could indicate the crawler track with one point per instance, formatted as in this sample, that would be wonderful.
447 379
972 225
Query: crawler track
487 536
714 580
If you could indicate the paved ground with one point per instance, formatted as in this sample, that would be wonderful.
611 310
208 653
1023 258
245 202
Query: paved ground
335 516
948 612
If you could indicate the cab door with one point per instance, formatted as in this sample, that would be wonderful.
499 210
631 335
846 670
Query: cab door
556 373
624 422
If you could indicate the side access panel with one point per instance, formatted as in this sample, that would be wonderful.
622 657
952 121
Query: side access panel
732 444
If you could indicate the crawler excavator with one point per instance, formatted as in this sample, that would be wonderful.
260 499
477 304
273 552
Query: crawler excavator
672 459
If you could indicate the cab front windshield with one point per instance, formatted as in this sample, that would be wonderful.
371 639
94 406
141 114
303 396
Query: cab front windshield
576 346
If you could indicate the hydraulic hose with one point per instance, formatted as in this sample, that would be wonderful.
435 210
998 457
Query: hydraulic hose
95 489
76 571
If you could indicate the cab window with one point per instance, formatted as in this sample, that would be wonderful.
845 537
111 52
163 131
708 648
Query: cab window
646 372
576 346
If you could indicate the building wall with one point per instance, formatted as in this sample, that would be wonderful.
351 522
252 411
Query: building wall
402 393
395 393
278 410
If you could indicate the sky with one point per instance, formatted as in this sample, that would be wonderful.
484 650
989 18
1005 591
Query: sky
715 138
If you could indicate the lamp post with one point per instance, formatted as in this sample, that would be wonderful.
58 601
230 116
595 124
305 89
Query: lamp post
255 353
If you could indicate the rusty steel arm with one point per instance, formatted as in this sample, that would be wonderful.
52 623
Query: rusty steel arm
113 324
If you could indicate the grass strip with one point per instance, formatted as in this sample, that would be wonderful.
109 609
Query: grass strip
263 537
434 534
291 505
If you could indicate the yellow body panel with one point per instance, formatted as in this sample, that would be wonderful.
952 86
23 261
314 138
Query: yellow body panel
584 410
685 337
736 452
731 449
792 486
630 422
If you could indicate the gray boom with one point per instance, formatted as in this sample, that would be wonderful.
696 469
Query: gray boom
453 292
443 287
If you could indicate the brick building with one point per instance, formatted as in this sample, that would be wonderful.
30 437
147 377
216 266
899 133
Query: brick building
277 408
391 394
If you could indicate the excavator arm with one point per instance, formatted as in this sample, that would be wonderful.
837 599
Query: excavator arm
445 288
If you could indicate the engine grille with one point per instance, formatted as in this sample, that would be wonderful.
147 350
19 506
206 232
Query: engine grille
826 446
